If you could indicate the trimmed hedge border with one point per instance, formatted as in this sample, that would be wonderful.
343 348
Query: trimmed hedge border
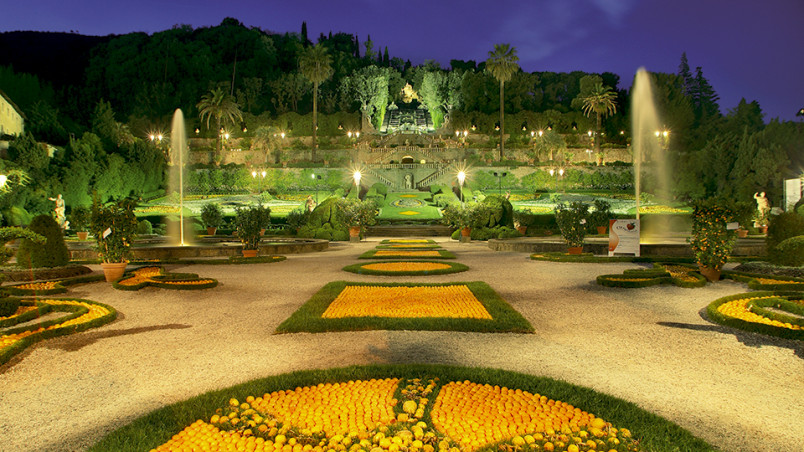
162 281
34 274
41 309
409 247
308 317
442 254
770 330
753 282
455 267
637 278
408 242
156 428
8 352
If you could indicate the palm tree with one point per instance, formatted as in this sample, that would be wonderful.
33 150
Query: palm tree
599 100
222 106
316 65
502 63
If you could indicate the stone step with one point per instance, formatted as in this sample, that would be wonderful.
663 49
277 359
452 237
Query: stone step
408 230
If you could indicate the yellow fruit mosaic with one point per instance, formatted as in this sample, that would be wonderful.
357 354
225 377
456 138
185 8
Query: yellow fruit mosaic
394 253
681 273
94 311
740 309
406 266
147 275
391 415
405 246
452 301
38 286
408 241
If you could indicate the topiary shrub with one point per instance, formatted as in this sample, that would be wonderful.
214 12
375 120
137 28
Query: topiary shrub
782 227
9 306
791 251
52 253
500 212
145 227
8 234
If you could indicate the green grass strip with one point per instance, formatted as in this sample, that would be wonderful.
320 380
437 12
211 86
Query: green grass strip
73 311
308 317
360 269
770 330
156 428
372 254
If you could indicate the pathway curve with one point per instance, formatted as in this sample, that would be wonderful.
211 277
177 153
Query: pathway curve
737 390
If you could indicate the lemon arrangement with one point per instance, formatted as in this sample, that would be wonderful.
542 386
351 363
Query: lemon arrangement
406 268
459 306
410 254
414 408
157 277
775 313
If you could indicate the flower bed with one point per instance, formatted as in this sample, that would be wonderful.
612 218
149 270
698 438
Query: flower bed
157 277
403 408
406 268
766 282
450 301
81 315
349 306
396 254
775 313
50 287
409 246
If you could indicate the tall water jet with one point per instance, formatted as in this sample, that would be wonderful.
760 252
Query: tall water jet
178 154
648 138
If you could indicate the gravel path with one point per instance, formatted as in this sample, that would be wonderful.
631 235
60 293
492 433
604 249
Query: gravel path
739 391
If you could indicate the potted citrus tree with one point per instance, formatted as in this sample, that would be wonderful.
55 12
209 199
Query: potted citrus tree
79 220
113 226
248 224
599 218
462 218
358 214
571 221
711 241
212 217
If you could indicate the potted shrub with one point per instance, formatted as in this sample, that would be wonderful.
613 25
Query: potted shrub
462 218
113 226
212 217
358 214
297 218
522 218
743 213
248 224
79 220
572 221
599 218
711 241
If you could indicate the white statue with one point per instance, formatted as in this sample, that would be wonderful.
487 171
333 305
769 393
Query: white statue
58 211
763 209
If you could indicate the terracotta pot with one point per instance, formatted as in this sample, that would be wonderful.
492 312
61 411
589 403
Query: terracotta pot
742 233
262 232
601 230
113 270
763 229
250 253
466 232
522 229
575 250
82 235
354 231
711 274
211 230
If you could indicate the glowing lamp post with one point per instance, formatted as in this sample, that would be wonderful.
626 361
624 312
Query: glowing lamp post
461 180
3 180
499 177
262 174
357 176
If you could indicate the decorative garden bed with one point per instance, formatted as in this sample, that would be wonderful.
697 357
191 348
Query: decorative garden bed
407 254
406 268
403 408
351 306
775 313
157 277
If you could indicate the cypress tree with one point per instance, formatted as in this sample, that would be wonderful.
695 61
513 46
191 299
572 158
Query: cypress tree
685 74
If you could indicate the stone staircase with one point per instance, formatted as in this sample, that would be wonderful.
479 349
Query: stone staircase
409 230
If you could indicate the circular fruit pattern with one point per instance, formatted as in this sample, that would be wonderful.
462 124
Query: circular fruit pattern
406 268
401 415
774 313
407 203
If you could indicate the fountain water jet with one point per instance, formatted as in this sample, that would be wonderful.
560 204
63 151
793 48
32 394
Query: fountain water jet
645 144
178 153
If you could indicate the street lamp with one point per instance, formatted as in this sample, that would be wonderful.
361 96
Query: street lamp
316 178
262 174
356 176
461 180
499 177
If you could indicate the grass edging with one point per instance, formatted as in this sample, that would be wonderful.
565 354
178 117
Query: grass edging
307 318
455 267
654 432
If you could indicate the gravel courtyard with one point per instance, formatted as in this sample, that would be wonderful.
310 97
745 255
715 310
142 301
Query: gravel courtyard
739 391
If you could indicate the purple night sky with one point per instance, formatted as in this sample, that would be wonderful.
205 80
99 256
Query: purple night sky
746 48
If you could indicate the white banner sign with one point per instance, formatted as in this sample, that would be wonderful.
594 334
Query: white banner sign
792 193
624 237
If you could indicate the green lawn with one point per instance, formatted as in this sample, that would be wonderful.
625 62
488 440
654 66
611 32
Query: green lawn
408 206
